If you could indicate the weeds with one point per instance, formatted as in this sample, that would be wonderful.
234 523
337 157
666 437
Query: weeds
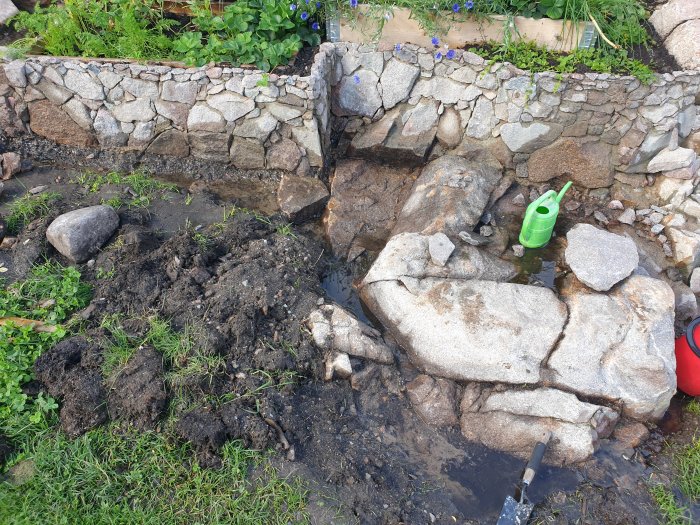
114 476
28 208
530 57
48 296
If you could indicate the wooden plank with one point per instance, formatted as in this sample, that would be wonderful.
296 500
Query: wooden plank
181 7
557 35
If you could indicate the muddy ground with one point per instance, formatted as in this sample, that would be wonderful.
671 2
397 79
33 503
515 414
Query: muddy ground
245 286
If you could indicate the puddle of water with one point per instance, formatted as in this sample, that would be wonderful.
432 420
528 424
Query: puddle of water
488 477
338 284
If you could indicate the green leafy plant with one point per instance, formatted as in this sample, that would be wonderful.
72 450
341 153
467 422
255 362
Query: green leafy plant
530 57
48 296
100 28
266 33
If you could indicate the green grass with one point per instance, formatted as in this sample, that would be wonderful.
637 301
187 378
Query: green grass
671 512
693 407
112 477
28 208
49 295
144 187
687 464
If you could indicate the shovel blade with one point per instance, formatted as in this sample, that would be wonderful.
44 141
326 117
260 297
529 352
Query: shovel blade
514 513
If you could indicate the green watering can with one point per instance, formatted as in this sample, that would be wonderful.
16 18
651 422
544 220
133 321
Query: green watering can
540 217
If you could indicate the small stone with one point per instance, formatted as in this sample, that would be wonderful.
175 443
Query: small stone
669 160
11 164
473 238
600 217
616 205
572 205
628 216
440 248
486 231
518 250
519 200
631 434
80 233
686 302
656 217
657 229
338 365
695 281
37 189
301 198
8 242
600 259
434 400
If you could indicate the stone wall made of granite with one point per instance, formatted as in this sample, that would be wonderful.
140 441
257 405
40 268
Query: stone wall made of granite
233 115
403 105
589 127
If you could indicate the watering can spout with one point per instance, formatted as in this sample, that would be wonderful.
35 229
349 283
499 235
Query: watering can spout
566 187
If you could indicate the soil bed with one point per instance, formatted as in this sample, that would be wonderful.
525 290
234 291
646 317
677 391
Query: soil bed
243 283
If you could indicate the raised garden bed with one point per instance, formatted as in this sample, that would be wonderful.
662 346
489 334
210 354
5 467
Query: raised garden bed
402 27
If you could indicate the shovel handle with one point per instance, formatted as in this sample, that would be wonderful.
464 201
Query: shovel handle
535 460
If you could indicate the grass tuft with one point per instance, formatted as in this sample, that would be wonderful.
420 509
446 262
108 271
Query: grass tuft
687 463
671 512
28 208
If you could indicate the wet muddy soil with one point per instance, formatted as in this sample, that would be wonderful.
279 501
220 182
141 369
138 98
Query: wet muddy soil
244 283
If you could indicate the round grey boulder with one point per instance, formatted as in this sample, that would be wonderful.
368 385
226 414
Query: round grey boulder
79 234
598 258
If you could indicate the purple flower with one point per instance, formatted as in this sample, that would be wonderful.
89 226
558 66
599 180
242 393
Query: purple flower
307 2
397 47
450 54
438 56
353 3
456 8
304 15
435 40
468 5
293 7
314 26
356 78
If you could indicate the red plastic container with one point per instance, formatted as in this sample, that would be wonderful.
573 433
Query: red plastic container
688 359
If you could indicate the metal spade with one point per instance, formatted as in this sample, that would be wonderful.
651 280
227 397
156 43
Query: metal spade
517 512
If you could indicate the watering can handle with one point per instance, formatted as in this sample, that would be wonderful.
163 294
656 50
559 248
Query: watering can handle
532 209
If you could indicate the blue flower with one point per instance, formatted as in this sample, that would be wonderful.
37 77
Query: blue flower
318 4
468 5
353 3
307 2
304 15
293 7
356 78
397 47
456 8
314 26
450 54
435 40
438 56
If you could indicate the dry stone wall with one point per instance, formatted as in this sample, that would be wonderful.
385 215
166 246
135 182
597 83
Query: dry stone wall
589 127
232 115
401 105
